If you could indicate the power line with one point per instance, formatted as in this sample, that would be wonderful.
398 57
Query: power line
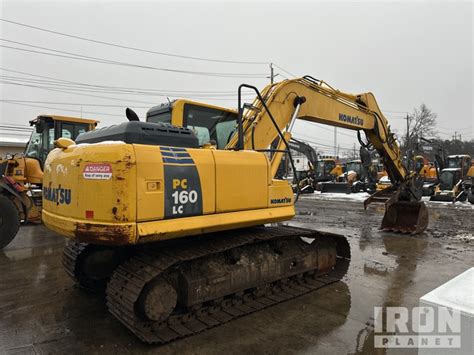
69 103
15 128
129 47
392 111
111 90
318 143
63 109
286 71
455 128
118 87
331 130
75 56
75 93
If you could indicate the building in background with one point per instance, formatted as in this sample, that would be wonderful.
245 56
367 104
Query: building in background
13 139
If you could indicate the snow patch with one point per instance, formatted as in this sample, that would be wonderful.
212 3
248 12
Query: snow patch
61 169
317 195
96 144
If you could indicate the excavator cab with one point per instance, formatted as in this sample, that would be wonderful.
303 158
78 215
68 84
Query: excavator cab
211 124
47 129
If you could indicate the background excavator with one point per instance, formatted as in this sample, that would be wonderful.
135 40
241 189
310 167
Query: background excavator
359 175
326 170
303 181
21 175
173 224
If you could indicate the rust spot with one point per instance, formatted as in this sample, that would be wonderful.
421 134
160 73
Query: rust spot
104 234
119 178
114 210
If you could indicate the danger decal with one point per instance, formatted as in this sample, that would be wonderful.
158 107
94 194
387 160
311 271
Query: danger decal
97 171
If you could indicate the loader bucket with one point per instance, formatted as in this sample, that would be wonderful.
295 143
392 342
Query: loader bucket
337 187
444 197
405 217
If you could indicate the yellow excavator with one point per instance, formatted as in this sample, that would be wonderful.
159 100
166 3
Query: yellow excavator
171 220
21 175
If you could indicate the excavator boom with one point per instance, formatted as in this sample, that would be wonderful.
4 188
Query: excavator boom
274 111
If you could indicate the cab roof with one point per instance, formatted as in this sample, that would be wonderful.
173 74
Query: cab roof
65 119
167 106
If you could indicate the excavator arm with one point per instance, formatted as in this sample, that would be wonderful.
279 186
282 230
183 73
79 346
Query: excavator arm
305 149
274 111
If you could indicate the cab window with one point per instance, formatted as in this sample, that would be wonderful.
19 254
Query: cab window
70 130
210 124
160 117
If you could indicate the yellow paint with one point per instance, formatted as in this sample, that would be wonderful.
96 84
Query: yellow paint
237 186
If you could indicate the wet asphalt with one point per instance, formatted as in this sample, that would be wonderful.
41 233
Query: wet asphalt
43 312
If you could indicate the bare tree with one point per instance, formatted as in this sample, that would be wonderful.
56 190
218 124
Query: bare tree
421 123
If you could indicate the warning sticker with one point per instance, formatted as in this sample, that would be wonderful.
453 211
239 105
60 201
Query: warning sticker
97 171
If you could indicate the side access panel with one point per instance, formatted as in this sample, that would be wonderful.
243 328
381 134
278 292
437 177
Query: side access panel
242 180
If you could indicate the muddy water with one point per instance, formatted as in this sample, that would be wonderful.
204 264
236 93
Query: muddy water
41 311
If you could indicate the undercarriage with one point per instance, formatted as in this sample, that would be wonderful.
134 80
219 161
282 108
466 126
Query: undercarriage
168 290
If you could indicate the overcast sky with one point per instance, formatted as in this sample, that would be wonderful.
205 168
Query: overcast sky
406 53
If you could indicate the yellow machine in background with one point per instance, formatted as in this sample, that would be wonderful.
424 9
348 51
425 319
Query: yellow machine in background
425 169
327 169
456 180
21 176
173 215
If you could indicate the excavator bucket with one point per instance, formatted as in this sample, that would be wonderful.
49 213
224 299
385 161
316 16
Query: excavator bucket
405 217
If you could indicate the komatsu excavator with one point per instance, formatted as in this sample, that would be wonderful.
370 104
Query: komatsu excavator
173 224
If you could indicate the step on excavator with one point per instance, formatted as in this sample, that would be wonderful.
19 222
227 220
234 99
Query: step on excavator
21 175
177 223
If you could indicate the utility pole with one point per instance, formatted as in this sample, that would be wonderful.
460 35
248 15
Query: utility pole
335 142
455 134
407 140
272 74
408 130
354 153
